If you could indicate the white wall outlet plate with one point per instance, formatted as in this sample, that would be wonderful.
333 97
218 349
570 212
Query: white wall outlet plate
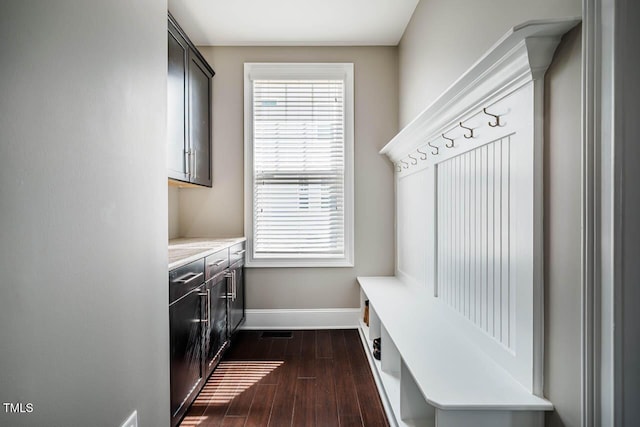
132 421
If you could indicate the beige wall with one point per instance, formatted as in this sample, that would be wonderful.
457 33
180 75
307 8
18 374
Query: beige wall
174 212
445 37
627 157
219 211
83 212
431 57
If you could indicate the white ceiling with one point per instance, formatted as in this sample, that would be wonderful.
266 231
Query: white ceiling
293 22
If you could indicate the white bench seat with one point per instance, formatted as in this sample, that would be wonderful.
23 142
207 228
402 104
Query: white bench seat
449 371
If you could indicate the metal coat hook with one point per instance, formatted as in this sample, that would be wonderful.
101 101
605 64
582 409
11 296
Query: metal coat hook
405 165
414 161
434 146
467 128
497 123
448 139
423 155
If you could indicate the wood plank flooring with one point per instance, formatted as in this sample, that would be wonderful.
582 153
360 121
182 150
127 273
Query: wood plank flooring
315 378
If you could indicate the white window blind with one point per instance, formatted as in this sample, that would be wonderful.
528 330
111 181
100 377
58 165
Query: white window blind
300 203
298 167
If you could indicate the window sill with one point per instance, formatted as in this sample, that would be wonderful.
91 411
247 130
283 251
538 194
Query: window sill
300 263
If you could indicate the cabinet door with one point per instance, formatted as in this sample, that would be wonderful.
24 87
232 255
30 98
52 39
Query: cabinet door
176 106
236 302
199 123
217 326
185 332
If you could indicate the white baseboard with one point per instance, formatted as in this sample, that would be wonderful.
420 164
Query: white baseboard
324 318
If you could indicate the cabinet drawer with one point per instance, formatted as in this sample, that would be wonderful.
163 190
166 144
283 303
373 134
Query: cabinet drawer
184 279
216 262
236 253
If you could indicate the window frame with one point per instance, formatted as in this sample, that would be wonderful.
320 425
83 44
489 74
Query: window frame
310 71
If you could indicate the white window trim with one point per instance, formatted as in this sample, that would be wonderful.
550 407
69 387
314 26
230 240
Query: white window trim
343 71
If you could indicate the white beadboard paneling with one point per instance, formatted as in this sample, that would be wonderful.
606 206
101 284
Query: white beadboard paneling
466 182
487 207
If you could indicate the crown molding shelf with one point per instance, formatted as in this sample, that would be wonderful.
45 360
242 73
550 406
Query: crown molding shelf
522 55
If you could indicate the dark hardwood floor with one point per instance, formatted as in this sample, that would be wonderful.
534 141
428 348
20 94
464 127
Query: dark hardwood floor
315 378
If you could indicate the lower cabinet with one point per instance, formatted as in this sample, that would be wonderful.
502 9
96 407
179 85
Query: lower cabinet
236 296
206 306
187 298
186 339
216 330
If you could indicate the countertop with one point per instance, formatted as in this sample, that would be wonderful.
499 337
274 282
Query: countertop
184 250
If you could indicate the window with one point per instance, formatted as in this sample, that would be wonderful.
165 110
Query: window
299 164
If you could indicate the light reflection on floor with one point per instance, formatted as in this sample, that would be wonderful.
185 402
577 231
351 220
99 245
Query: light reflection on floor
228 381
192 421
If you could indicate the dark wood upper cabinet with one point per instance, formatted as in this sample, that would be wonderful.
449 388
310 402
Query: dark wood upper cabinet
199 123
189 153
177 108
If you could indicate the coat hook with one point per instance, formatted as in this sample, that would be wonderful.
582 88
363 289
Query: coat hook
448 139
497 123
423 155
405 165
414 161
434 146
469 129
